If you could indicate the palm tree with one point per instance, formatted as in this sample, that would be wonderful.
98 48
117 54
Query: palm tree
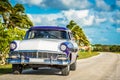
5 9
78 34
19 18
14 16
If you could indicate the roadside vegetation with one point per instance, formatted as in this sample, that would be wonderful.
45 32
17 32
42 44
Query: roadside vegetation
118 52
13 22
106 48
4 69
83 55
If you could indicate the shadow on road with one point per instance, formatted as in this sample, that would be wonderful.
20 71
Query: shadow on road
42 71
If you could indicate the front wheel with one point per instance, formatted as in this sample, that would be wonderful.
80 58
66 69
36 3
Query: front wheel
73 66
17 68
66 70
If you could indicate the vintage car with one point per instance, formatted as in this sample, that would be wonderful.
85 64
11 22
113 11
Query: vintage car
44 46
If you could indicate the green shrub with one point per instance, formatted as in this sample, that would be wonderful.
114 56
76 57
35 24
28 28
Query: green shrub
86 54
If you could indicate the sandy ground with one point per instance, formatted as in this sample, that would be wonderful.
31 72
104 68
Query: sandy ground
105 66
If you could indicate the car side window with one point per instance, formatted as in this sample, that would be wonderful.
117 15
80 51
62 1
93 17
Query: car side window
71 36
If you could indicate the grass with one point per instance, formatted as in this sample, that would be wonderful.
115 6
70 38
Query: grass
118 52
4 69
83 55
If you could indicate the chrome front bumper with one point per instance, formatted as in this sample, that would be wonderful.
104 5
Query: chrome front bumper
38 57
38 61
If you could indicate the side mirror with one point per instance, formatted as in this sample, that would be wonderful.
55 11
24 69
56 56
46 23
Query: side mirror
73 39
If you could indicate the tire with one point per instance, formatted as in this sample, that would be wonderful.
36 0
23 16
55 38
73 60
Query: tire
66 70
35 68
73 66
16 68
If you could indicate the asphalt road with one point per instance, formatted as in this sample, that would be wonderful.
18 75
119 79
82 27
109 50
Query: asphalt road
105 66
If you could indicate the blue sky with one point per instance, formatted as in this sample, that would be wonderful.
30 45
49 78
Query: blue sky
99 19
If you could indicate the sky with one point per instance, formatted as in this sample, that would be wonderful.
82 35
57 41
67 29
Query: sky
99 19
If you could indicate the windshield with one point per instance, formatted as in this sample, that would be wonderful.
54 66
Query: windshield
49 34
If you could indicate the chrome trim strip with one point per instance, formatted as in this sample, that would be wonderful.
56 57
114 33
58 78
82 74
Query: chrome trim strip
46 51
38 53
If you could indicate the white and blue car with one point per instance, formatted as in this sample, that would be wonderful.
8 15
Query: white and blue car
44 46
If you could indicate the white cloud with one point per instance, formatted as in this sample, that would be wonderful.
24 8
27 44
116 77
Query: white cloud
99 20
35 18
46 19
102 5
81 17
102 39
76 4
118 3
111 20
118 21
76 13
59 4
118 29
61 18
32 2
88 21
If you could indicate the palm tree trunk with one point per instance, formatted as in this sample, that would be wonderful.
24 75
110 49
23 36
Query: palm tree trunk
3 56
2 59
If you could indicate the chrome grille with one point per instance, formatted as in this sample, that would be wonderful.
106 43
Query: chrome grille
28 54
41 54
47 55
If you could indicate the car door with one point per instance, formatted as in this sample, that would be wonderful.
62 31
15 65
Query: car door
74 53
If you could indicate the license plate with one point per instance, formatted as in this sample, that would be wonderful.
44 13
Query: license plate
36 60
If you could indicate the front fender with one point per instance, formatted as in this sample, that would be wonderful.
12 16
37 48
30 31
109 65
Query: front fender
17 44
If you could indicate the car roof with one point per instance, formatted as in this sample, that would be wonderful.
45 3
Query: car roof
48 28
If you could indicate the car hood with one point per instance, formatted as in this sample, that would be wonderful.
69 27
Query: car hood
40 44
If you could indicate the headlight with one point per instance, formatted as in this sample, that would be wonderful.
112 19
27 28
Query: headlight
63 47
62 57
13 46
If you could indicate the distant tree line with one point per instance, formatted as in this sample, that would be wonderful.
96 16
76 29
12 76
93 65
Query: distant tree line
106 48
